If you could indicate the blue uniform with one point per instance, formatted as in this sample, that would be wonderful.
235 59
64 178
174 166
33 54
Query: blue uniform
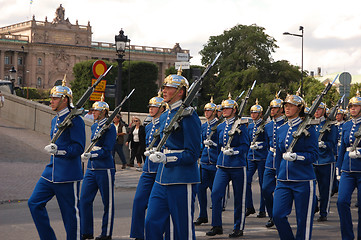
256 160
61 177
295 181
230 168
350 179
145 185
269 177
325 166
99 176
174 191
208 167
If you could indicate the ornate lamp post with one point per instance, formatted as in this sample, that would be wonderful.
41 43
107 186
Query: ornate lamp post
120 45
301 36
12 73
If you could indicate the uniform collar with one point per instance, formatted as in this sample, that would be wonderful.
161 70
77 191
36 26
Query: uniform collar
231 120
101 122
258 121
63 112
280 118
214 120
155 121
294 122
356 120
322 118
340 122
175 105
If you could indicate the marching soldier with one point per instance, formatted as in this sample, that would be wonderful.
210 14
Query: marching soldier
256 159
269 178
231 166
146 180
340 118
99 175
295 174
175 187
208 161
62 176
325 164
349 163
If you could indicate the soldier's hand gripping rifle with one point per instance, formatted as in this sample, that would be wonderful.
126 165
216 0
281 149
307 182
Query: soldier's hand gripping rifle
107 124
260 128
235 127
183 111
220 120
307 121
77 110
331 119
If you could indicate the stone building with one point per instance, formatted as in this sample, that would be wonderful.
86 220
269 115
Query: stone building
43 51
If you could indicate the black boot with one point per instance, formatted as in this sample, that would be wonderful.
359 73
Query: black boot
215 230
101 237
200 220
236 233
87 236
250 211
270 223
261 215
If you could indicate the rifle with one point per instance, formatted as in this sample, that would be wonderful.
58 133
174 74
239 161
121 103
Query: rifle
220 120
78 109
107 124
239 121
331 119
307 121
263 123
183 111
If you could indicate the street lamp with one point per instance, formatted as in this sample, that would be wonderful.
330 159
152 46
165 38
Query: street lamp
12 73
120 45
301 36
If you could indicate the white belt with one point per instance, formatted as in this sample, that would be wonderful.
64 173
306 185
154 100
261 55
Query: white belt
272 149
165 151
349 149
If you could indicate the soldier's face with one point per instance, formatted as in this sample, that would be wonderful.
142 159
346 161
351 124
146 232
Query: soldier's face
355 111
276 111
255 115
291 111
339 117
97 115
228 112
153 111
208 114
58 103
319 112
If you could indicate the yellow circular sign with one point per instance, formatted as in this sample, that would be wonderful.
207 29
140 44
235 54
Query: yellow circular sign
99 67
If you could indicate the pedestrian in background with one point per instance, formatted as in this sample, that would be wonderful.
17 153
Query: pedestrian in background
2 100
136 140
89 115
121 131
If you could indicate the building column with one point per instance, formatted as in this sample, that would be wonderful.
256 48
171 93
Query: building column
2 64
15 64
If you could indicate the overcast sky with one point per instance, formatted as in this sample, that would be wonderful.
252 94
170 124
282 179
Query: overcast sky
332 32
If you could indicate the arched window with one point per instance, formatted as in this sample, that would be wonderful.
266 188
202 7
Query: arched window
40 62
38 83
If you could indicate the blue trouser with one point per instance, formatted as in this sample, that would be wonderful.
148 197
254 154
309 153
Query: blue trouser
348 183
324 176
140 204
252 167
268 188
304 195
118 148
221 180
176 202
104 181
67 195
207 178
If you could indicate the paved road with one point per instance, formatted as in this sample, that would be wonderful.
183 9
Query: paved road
22 161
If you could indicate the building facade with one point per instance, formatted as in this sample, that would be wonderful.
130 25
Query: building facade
43 51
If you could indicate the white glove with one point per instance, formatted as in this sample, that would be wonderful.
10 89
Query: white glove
338 174
52 148
230 152
209 143
256 146
158 157
289 156
148 152
354 154
86 156
321 144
